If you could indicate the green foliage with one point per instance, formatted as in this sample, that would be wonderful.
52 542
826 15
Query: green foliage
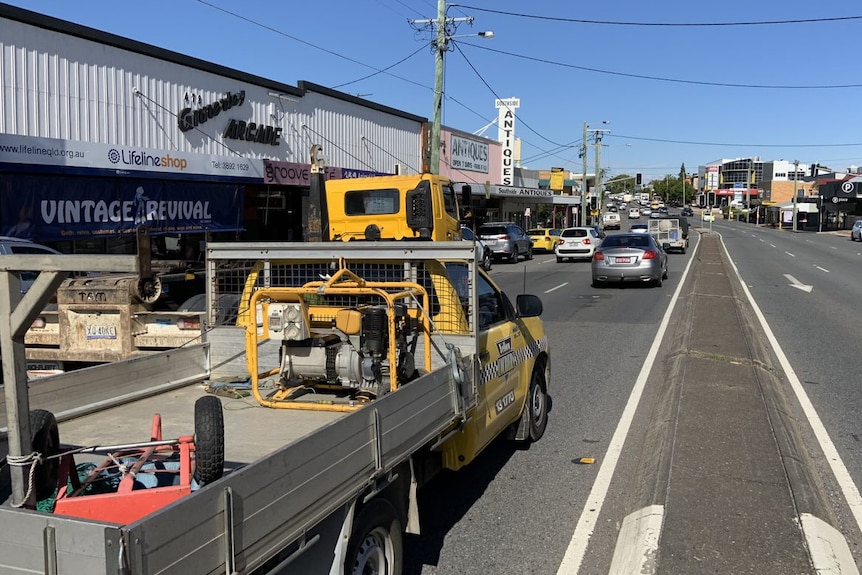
671 188
619 184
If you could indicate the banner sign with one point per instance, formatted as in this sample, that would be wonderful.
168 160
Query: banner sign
468 154
51 208
294 174
118 159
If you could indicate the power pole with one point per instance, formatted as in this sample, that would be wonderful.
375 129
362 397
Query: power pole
582 212
795 184
599 194
440 44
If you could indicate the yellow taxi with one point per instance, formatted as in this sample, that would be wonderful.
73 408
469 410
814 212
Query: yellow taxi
545 239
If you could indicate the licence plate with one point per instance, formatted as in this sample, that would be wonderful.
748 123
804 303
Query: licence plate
623 260
101 332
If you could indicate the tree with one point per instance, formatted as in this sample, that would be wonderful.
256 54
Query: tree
671 188
619 184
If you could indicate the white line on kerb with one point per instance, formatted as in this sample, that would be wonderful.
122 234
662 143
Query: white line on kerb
557 287
822 269
593 505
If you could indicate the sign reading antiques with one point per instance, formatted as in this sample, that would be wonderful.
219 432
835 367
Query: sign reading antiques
468 154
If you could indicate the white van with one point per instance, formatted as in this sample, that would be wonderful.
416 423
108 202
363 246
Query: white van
611 220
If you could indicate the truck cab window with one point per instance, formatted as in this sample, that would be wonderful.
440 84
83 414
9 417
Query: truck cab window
449 202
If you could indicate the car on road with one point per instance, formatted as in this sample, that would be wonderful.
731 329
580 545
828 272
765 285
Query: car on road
579 243
639 229
506 240
646 211
634 214
629 258
487 255
686 212
655 214
545 239
611 220
708 216
856 231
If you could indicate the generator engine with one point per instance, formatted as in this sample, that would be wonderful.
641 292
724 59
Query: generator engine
354 354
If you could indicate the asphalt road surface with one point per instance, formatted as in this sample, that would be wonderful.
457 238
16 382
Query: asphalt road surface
722 420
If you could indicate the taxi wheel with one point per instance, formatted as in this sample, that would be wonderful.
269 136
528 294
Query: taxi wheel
537 403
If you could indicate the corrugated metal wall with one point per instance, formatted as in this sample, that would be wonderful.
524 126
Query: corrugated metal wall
60 86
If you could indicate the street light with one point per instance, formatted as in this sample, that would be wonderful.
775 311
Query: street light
440 45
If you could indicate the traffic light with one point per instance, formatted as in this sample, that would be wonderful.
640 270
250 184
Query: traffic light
594 203
638 178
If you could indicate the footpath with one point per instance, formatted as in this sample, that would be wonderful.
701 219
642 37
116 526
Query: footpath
716 445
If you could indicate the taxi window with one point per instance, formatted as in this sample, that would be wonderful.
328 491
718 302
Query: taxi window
492 309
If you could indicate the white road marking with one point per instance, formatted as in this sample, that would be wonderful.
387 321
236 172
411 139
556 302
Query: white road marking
557 287
830 247
830 452
555 259
798 284
791 255
637 542
773 245
593 505
822 269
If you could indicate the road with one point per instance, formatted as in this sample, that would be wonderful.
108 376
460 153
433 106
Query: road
522 511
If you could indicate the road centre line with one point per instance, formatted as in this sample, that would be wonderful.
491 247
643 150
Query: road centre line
773 245
557 287
585 527
791 255
822 269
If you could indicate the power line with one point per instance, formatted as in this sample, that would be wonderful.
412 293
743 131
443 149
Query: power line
658 78
737 145
305 42
663 24
487 85
383 70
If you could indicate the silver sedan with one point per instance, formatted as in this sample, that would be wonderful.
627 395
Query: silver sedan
629 258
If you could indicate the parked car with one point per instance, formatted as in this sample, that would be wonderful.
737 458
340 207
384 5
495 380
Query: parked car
468 235
578 243
856 231
12 246
545 239
634 214
629 258
506 240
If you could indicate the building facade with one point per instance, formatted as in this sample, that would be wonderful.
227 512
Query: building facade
100 134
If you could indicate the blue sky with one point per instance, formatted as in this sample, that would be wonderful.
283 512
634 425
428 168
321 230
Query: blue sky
565 73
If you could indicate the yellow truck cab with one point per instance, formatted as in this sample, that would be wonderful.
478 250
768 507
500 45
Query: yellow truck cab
411 207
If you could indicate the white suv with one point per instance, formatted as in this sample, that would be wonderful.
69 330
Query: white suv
577 243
